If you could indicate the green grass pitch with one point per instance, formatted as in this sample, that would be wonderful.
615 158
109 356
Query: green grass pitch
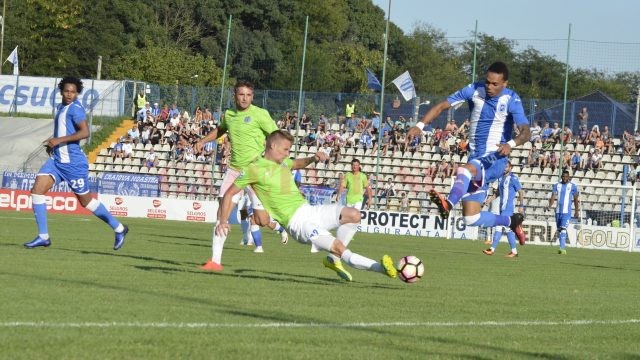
79 299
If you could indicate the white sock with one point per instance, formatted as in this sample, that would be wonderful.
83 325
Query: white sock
360 262
345 233
217 244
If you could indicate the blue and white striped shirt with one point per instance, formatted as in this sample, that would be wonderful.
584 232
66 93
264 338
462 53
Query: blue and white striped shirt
65 121
491 119
508 187
565 194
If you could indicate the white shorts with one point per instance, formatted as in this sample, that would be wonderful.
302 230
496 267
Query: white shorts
311 224
357 205
228 179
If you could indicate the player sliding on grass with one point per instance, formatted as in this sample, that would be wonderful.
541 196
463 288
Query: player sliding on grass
68 163
270 177
494 111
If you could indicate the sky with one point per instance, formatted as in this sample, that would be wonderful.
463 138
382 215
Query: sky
592 22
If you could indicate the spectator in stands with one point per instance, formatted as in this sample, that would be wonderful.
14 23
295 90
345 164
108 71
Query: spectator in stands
207 116
629 143
127 149
596 160
170 136
116 151
400 141
351 123
404 202
323 123
607 138
557 133
386 143
331 138
464 128
547 133
342 138
429 171
566 160
145 134
451 127
216 116
336 153
311 138
444 170
141 115
583 135
151 159
164 114
327 150
599 145
352 140
567 193
174 111
462 145
366 140
155 110
321 138
305 122
134 134
387 191
413 144
568 135
593 136
156 135
175 120
583 118
536 133
552 160
533 157
362 124
209 148
576 162
438 133
197 115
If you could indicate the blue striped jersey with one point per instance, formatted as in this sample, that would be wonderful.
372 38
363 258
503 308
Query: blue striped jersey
66 118
508 187
491 119
565 193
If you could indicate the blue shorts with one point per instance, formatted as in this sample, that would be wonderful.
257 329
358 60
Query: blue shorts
75 175
562 220
488 169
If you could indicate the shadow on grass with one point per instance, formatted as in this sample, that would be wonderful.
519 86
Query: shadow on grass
601 267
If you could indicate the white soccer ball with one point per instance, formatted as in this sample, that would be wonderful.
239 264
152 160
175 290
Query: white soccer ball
410 269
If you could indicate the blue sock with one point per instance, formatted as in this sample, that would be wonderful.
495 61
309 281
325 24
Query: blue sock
278 228
460 186
496 239
489 219
257 235
98 209
511 237
40 213
563 239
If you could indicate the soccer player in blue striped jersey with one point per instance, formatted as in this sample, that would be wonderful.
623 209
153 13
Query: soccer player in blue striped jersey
508 187
495 110
68 163
565 192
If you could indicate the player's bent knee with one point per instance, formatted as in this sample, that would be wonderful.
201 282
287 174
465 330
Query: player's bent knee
472 220
350 215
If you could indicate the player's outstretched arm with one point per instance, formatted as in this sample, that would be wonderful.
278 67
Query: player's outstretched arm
433 113
301 163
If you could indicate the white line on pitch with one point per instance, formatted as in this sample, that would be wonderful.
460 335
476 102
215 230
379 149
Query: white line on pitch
37 324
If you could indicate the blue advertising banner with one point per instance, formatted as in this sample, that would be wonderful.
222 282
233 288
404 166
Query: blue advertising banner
317 195
129 184
18 180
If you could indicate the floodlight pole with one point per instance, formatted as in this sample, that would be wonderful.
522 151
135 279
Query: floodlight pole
384 68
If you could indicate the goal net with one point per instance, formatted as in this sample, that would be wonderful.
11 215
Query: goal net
607 218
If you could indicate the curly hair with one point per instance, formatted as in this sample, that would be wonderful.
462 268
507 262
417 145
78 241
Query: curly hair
70 80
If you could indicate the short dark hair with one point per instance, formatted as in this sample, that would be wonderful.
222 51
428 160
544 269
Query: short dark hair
499 67
71 80
355 161
278 135
243 83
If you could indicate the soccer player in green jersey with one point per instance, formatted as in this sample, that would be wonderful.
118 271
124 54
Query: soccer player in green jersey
270 177
356 183
248 126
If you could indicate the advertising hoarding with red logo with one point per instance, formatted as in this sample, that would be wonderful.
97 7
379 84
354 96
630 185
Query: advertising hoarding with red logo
57 202
161 208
